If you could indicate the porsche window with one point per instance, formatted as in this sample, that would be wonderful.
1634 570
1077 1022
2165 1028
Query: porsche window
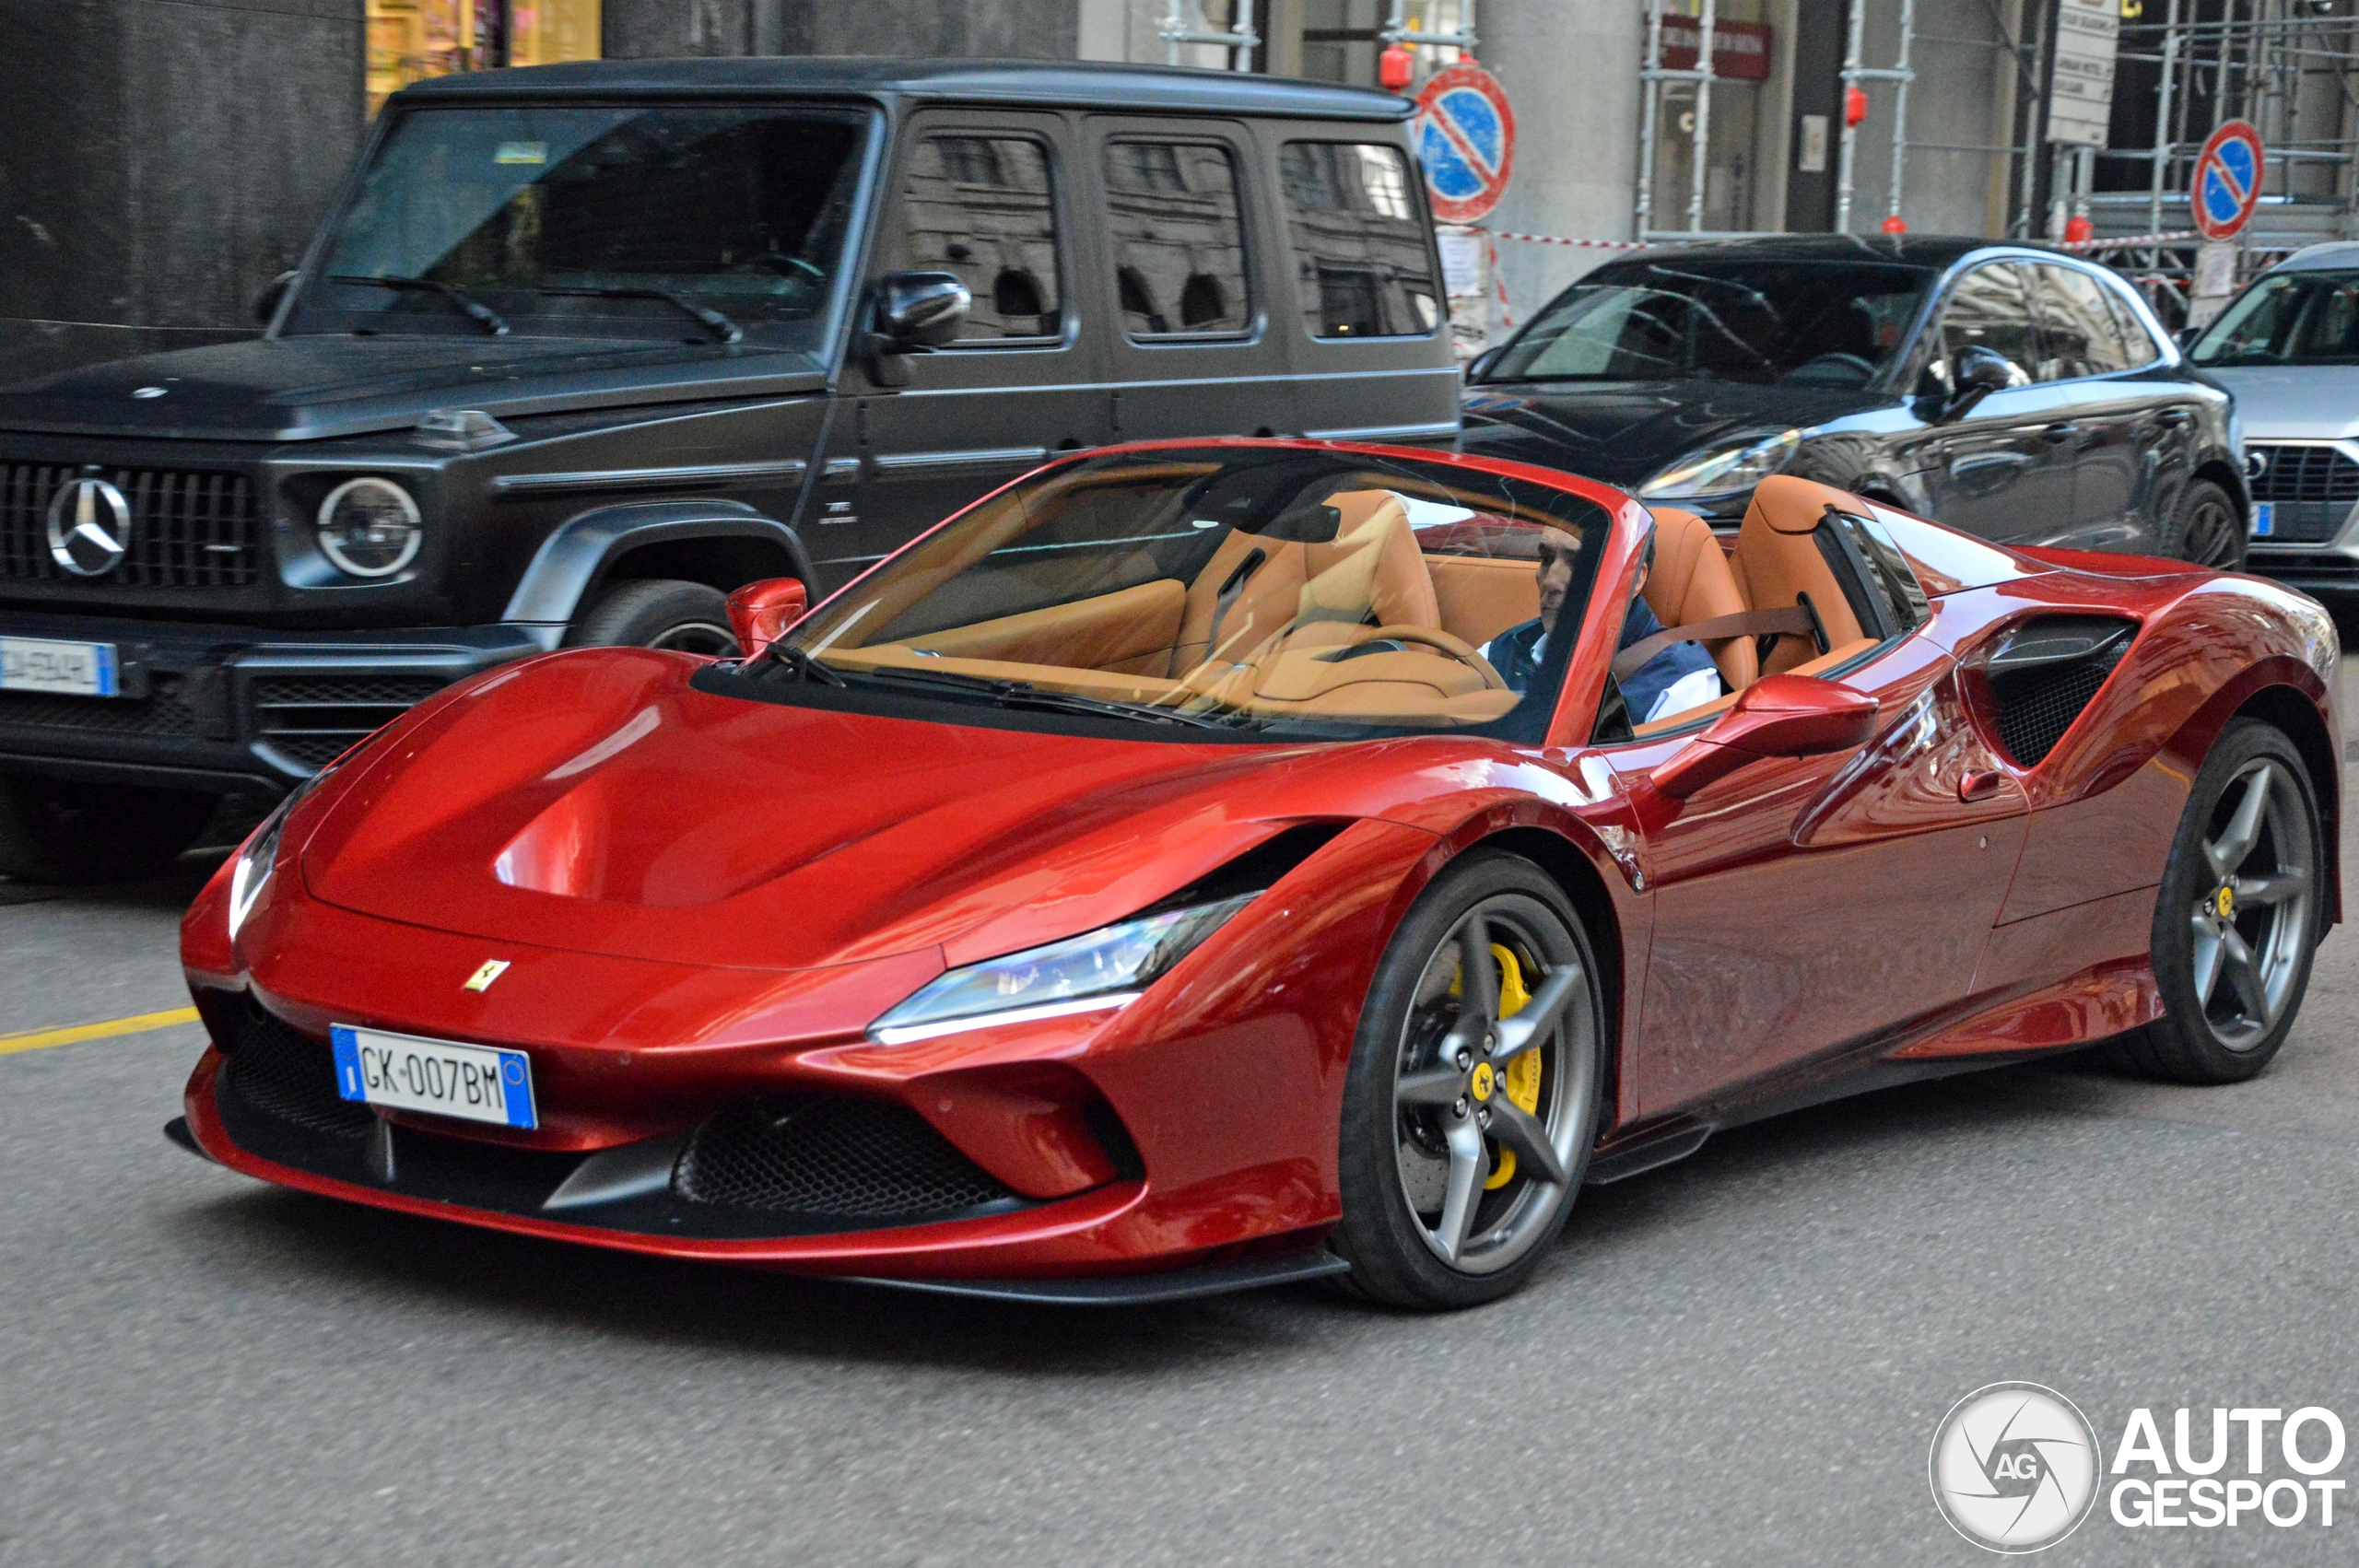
1271 592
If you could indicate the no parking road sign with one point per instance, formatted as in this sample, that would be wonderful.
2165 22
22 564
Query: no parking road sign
2226 186
1465 136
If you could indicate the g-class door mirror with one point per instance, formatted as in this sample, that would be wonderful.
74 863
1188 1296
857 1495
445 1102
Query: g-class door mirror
759 612
1975 373
921 309
1777 716
273 294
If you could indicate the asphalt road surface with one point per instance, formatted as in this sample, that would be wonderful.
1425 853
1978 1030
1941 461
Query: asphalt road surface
1737 1360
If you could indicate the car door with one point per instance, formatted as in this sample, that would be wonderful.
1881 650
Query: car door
990 197
2111 413
2001 468
1183 256
1805 905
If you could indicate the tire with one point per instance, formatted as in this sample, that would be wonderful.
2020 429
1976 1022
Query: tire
61 830
2205 530
1407 1152
657 612
2229 1004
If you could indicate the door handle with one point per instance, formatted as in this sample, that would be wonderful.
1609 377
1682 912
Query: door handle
1979 784
2057 435
2175 418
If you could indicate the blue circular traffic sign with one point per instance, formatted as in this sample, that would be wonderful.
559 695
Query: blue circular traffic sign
2227 183
1465 139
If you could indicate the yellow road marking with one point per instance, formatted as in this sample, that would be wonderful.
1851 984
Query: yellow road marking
42 1040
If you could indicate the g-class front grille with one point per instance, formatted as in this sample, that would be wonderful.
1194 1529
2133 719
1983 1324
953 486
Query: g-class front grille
164 711
313 720
189 527
2311 490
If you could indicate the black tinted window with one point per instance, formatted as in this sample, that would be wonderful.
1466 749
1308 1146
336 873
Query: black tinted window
1690 318
1990 307
983 207
2078 329
1362 264
1178 240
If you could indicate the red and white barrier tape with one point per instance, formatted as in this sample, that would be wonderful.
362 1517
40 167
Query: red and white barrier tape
2129 242
2178 238
1560 240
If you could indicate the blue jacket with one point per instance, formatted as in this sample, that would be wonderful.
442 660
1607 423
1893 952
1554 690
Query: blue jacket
1516 654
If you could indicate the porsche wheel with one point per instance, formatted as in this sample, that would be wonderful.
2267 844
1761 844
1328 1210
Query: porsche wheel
1472 1096
2209 531
2237 918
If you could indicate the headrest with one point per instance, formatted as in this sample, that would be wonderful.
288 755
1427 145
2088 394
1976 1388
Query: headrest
1788 505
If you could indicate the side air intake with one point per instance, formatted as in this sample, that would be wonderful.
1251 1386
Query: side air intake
2046 671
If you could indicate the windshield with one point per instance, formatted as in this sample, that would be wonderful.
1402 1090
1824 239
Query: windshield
1806 323
667 221
1202 593
2295 318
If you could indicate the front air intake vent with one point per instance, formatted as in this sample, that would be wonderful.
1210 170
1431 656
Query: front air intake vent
2046 671
283 1072
832 1156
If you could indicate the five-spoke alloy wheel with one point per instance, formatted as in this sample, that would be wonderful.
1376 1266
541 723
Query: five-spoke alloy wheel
1473 1091
2236 918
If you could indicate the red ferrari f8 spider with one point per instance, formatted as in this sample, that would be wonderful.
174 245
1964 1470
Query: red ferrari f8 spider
1200 866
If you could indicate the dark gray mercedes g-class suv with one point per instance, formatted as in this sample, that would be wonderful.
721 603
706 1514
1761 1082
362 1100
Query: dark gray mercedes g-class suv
581 349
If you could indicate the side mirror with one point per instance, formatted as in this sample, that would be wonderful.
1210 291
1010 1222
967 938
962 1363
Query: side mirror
759 612
1480 366
1777 716
273 294
921 309
1975 373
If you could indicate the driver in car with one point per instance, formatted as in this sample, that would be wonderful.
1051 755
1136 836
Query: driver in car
1680 677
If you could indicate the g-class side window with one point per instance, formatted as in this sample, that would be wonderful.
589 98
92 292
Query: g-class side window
983 207
1179 239
1362 265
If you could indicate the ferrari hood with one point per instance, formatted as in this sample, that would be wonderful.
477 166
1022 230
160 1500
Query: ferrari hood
595 801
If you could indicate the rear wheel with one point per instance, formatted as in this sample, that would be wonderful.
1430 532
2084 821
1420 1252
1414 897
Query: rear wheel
688 617
67 830
1472 1094
2208 529
2236 922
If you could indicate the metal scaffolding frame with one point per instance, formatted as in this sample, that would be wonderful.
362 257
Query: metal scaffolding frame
1178 32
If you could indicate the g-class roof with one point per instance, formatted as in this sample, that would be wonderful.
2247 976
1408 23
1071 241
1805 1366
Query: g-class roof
1085 85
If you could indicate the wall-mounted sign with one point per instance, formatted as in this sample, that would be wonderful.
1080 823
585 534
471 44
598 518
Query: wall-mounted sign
2080 99
1740 49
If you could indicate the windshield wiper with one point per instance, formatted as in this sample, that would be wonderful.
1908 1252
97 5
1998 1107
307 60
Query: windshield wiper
493 322
1014 693
723 329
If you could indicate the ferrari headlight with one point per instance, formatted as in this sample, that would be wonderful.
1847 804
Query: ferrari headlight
370 527
1730 468
1104 968
250 872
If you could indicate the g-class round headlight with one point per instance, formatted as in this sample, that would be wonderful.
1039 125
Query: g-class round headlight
370 527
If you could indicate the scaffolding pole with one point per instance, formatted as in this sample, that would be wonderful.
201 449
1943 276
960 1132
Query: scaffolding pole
1857 71
1241 37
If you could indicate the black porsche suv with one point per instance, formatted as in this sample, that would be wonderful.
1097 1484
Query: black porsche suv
2010 391
582 347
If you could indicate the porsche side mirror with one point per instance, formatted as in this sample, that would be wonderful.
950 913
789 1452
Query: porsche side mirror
1975 373
1777 716
921 309
273 294
759 612
1480 366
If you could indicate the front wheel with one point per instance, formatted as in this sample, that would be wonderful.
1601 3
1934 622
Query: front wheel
2207 529
1472 1096
2236 920
687 617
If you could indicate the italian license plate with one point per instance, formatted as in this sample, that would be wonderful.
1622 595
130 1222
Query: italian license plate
70 669
473 1082
2264 519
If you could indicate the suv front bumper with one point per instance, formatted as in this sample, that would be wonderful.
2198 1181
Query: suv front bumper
235 709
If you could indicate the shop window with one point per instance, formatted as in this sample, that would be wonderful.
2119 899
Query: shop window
983 207
1362 264
1172 210
411 40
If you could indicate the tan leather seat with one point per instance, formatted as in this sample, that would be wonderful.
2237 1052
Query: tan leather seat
1370 572
1690 582
1778 563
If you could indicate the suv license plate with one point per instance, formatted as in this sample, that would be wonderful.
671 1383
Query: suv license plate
69 669
2264 519
473 1082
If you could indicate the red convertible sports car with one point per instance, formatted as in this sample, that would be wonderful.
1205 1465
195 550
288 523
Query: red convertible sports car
1144 884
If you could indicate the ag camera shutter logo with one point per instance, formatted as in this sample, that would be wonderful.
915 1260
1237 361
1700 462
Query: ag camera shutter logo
2014 1467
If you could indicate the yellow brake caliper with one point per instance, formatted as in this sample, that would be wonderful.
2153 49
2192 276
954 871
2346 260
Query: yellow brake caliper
1521 1078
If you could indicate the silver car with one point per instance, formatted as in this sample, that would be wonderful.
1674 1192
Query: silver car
2288 348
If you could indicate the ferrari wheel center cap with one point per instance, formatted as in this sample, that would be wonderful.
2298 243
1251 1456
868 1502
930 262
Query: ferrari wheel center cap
1481 1081
2224 902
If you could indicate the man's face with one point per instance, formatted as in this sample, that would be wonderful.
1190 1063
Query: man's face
1557 551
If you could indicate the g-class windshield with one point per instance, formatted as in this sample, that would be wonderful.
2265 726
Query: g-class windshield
1810 323
1251 593
705 224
